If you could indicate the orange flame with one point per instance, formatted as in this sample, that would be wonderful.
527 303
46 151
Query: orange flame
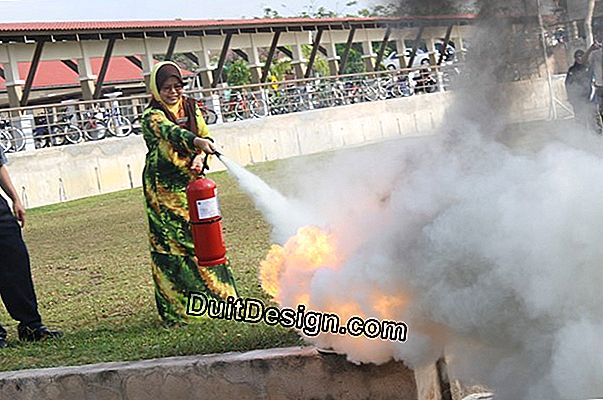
305 252
292 266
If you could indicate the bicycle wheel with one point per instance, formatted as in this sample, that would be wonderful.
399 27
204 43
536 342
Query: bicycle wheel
18 139
5 141
119 126
73 134
210 116
57 137
401 90
382 92
259 108
94 130
370 93
229 113
137 126
41 138
243 111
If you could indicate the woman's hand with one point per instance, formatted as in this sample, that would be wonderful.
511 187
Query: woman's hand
204 145
197 164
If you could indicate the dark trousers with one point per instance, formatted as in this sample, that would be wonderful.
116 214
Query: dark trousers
587 114
16 286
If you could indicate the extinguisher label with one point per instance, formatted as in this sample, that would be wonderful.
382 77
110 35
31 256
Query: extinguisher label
208 208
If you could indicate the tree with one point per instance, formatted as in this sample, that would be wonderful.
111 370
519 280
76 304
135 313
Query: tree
310 11
280 67
238 73
354 64
321 66
380 10
430 7
271 13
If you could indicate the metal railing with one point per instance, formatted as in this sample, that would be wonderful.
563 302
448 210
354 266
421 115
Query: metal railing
73 121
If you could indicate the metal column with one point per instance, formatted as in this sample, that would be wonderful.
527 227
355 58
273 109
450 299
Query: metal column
104 67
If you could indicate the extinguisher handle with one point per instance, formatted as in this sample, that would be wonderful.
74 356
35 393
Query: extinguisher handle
205 166
206 158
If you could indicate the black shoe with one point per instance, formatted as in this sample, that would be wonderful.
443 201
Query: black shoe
37 334
3 343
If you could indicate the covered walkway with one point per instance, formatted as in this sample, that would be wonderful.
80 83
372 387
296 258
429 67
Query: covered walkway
207 43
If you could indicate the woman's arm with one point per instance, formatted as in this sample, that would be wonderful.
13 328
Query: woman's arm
157 124
202 129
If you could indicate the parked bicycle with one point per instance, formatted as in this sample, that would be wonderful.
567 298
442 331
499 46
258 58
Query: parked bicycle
47 134
92 125
244 105
117 124
358 91
394 86
12 138
209 115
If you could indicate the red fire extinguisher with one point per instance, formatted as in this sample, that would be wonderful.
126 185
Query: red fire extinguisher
206 219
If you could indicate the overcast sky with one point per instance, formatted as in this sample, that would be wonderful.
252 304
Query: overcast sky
103 10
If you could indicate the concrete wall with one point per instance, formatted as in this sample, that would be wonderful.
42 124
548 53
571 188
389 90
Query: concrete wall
58 174
291 373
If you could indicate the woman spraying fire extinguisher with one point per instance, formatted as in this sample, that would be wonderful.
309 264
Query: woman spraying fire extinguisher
176 136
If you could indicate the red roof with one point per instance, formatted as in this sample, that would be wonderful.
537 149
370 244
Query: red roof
52 74
202 23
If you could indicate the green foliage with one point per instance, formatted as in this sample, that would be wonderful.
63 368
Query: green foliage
321 65
427 7
280 67
354 64
237 73
311 11
271 13
321 12
379 10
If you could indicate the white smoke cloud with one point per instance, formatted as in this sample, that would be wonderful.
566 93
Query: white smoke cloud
498 248
500 252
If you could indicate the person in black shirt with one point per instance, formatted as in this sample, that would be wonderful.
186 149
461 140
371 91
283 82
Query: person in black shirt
16 285
579 86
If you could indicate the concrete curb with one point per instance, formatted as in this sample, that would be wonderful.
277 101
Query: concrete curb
287 373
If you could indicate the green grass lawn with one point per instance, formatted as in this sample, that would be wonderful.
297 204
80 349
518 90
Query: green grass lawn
91 269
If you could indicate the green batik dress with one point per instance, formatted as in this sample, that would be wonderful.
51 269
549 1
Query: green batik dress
165 177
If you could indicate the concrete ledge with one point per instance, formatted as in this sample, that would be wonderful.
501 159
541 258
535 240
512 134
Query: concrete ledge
289 373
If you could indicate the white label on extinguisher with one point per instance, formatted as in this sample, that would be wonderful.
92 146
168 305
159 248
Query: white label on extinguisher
208 208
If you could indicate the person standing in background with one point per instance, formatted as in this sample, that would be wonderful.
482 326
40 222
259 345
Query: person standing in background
16 285
594 57
579 85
